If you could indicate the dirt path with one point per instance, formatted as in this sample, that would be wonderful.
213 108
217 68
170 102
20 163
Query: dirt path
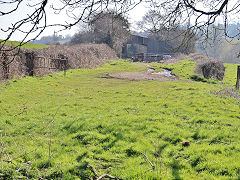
147 75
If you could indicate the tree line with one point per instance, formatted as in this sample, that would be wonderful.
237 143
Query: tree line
178 20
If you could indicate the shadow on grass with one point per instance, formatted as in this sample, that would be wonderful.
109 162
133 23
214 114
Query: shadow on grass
118 136
160 150
81 170
200 79
175 169
79 158
197 78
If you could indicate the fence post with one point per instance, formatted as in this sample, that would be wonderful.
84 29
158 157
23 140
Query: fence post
64 62
65 66
30 63
238 77
5 69
5 66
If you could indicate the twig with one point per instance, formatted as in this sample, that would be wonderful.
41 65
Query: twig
126 110
107 176
93 171
50 142
54 153
153 166
28 162
218 141
97 177
24 154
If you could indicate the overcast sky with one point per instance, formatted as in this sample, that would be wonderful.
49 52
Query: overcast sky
6 21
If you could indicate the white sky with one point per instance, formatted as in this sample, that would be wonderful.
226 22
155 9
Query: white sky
6 21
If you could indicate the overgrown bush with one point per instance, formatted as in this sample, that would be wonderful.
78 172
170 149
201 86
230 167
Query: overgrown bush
21 62
208 67
12 63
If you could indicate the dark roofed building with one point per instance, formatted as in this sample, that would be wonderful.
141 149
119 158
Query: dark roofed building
141 44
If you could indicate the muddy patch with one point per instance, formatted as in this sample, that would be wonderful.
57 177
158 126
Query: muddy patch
147 75
166 72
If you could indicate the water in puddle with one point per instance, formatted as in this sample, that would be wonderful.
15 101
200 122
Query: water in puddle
166 72
150 70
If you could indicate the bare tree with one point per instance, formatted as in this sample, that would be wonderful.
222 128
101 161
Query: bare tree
83 35
212 46
35 14
196 15
35 22
105 27
181 39
110 28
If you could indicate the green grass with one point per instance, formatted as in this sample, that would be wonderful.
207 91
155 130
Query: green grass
26 45
108 123
230 74
184 70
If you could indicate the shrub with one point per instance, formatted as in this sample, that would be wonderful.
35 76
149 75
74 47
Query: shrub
208 67
21 62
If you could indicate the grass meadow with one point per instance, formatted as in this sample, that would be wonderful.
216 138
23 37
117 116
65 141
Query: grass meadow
63 127
25 45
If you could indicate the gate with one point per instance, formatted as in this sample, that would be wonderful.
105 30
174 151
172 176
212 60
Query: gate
51 63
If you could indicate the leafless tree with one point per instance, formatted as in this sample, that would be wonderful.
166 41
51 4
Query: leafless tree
181 39
110 28
35 14
212 46
36 20
105 27
196 15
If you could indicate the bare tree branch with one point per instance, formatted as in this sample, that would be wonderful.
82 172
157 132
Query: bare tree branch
218 11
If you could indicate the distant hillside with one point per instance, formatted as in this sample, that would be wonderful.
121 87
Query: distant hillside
26 46
229 51
52 40
225 50
234 30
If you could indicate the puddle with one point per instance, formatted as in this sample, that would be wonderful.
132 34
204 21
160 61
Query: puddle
147 75
166 72
150 70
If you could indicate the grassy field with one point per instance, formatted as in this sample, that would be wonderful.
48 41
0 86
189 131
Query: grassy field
60 127
26 46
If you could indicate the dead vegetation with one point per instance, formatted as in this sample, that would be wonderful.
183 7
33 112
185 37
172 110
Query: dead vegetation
177 58
208 67
226 91
12 65
23 62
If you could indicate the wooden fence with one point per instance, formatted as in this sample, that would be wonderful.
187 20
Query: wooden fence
38 62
